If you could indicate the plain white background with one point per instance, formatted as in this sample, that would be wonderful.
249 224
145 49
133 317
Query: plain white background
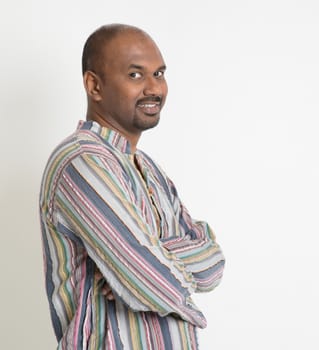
239 137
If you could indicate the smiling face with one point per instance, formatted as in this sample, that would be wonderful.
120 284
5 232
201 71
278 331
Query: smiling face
129 86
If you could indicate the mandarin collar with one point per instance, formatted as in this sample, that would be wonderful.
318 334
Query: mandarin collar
110 136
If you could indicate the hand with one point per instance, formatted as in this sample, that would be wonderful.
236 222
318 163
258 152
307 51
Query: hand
106 289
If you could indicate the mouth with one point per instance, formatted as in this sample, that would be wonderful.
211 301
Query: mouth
150 107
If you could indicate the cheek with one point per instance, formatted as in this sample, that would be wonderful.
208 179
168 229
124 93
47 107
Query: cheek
128 89
125 94
131 96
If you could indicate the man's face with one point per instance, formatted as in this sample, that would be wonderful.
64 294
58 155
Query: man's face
133 88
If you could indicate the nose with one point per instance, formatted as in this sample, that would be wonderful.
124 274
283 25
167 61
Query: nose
153 87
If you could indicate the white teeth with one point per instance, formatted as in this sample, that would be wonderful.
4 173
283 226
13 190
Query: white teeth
148 105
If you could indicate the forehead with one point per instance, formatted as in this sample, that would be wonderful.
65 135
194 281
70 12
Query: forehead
132 48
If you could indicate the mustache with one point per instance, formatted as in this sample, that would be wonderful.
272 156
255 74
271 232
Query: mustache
150 99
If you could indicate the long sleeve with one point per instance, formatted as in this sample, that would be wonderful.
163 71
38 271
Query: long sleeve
95 199
196 246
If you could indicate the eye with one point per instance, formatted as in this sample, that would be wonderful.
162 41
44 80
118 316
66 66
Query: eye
135 75
159 74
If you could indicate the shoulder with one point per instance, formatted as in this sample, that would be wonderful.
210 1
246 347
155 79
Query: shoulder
71 147
81 143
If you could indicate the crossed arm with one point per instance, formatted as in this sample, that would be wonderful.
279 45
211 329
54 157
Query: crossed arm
196 247
147 274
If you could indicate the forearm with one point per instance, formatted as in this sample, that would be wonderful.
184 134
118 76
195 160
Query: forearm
138 269
202 257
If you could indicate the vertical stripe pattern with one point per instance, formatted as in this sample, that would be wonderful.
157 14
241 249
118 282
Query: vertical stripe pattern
109 217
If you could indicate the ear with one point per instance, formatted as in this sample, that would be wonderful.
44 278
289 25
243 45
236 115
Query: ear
92 84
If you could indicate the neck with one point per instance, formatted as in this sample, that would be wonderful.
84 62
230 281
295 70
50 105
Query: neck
131 138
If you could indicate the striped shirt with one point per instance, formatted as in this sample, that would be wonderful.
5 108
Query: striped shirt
110 216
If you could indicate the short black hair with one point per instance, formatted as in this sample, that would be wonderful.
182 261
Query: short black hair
92 55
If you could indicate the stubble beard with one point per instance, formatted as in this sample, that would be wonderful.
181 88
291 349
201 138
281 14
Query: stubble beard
148 122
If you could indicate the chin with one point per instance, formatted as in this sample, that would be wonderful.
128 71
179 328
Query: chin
149 124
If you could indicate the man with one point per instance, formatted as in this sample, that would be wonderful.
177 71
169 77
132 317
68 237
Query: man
122 255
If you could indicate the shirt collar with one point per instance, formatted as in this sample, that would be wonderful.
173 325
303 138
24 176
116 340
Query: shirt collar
108 135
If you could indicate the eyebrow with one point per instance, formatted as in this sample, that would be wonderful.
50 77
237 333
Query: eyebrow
137 66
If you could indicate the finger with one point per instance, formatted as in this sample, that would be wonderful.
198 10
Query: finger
99 274
110 296
105 290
